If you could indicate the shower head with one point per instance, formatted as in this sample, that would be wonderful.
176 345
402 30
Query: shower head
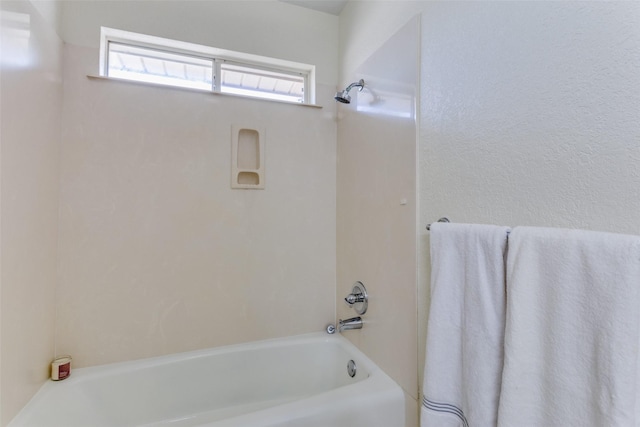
344 96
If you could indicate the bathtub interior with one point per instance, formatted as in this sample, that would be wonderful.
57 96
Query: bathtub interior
207 387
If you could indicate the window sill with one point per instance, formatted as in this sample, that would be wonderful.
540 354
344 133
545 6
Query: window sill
208 92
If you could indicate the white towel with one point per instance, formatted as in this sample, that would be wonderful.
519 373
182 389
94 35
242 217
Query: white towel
465 332
572 329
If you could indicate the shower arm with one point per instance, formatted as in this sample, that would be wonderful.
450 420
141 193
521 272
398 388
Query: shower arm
358 84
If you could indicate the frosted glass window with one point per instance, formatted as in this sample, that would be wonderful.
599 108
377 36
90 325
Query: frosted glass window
145 58
261 83
157 66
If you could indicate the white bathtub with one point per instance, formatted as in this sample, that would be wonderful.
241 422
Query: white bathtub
294 382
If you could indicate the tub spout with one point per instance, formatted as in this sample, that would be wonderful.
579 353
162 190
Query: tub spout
353 323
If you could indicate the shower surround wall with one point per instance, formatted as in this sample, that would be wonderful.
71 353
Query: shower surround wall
31 103
157 253
376 214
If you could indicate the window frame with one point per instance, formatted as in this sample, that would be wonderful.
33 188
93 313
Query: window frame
218 56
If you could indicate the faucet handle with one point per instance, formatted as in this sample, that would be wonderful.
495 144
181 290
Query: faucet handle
358 298
354 298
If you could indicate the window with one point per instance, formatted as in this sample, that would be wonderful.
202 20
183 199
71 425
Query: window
157 66
261 83
143 58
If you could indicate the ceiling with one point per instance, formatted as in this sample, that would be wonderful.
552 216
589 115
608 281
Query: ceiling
333 7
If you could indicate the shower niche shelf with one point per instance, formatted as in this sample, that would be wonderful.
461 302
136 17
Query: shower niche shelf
247 157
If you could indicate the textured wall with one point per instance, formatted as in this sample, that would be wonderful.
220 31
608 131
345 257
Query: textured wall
31 103
530 116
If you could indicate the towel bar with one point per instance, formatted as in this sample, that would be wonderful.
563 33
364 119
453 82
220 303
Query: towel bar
443 219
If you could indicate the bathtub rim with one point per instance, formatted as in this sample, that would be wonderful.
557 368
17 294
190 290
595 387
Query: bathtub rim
96 371
373 372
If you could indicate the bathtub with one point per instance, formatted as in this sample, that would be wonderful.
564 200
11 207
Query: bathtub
291 382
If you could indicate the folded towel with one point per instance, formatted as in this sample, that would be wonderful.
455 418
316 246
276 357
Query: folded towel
572 329
465 332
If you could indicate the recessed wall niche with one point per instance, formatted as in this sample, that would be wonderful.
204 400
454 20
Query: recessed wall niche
247 157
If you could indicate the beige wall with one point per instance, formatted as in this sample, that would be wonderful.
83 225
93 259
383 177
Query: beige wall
376 214
157 253
30 102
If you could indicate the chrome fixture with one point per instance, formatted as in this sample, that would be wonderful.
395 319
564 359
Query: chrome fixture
344 96
443 219
331 329
358 298
353 323
351 368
